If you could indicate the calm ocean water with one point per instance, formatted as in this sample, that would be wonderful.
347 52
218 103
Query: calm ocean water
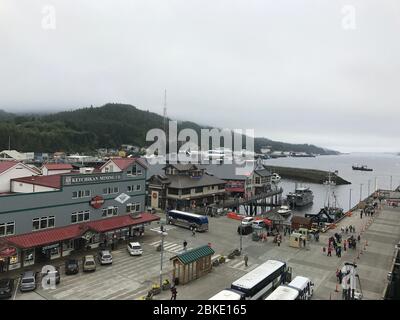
386 170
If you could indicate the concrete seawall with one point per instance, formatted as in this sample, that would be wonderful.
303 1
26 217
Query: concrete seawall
308 175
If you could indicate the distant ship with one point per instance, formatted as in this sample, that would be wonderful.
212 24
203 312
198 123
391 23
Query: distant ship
361 168
301 197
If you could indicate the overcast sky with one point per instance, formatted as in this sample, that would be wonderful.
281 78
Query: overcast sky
301 71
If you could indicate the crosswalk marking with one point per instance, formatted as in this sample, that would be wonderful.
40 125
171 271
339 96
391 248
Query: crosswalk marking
171 246
166 228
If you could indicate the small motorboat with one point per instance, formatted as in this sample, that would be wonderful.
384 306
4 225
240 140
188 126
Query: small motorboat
284 211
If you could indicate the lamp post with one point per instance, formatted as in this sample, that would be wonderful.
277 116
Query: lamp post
350 201
391 183
241 235
369 182
361 185
163 234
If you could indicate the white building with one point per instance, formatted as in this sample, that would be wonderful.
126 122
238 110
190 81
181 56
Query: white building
11 170
14 155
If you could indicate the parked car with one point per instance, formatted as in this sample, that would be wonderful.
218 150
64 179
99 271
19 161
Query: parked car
247 221
28 281
258 224
135 249
6 288
89 264
105 257
245 229
71 266
56 274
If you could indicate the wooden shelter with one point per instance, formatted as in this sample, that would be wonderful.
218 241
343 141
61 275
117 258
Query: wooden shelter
301 222
192 264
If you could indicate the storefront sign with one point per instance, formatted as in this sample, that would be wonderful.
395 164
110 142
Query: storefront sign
52 246
92 178
97 202
8 252
88 235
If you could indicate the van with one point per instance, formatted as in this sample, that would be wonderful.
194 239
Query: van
304 285
135 249
89 264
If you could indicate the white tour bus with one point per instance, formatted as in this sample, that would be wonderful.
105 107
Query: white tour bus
284 293
262 280
304 285
228 294
187 220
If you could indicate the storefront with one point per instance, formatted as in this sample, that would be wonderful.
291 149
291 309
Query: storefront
43 246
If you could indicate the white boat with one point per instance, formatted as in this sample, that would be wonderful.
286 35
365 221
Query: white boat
284 211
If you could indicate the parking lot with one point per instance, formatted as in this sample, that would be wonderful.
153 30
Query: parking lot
131 277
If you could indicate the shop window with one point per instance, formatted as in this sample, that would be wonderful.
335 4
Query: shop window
29 257
7 229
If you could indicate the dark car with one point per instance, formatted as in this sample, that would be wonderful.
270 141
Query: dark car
246 229
6 288
56 272
71 266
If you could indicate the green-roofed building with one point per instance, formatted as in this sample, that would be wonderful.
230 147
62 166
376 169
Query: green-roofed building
192 264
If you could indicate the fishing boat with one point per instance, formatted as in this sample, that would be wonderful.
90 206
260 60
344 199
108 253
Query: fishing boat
331 211
361 168
300 197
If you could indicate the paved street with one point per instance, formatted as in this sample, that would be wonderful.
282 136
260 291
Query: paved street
131 277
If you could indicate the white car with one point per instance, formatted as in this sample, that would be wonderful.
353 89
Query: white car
247 221
258 223
135 249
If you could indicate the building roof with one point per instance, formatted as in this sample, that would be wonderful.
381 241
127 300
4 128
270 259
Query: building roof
180 182
52 181
183 167
5 165
14 154
301 220
58 166
194 254
124 163
49 236
263 172
121 222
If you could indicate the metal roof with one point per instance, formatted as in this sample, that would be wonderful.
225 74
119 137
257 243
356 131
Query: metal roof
194 254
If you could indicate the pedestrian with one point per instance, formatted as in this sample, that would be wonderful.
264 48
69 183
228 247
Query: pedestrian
358 238
347 230
329 251
184 245
246 260
279 240
174 292
350 228
342 229
344 245
193 231
361 213
354 229
1 266
304 242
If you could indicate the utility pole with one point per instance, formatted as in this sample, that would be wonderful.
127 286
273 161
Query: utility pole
391 183
376 183
350 201
162 249
361 185
369 181
241 235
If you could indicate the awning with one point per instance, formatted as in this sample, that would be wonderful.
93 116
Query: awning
121 222
50 236
41 238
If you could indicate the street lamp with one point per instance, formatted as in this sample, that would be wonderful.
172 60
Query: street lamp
361 185
241 236
369 181
350 201
163 234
